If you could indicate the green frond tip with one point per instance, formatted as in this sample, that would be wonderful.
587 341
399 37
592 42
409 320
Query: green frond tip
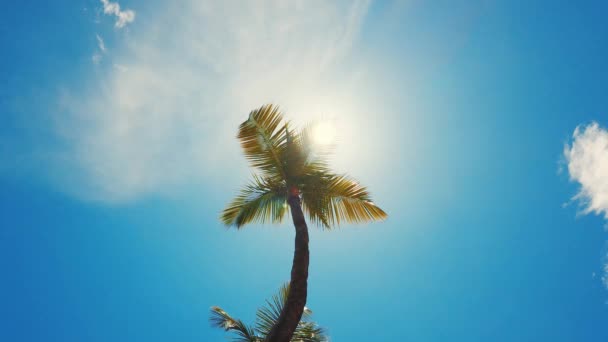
261 136
262 200
331 199
221 319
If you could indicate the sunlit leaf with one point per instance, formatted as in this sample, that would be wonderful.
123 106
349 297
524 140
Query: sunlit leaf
261 135
263 200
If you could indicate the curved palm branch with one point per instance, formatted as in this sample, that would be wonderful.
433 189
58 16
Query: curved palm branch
266 318
221 319
262 200
314 152
261 137
329 199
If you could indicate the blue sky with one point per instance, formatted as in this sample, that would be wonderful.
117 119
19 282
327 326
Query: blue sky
118 151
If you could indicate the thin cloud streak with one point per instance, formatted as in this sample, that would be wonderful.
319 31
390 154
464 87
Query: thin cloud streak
100 43
101 50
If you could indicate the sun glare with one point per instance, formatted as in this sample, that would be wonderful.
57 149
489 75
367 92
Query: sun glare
323 133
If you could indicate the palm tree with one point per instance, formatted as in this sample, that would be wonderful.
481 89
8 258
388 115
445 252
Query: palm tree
266 318
292 173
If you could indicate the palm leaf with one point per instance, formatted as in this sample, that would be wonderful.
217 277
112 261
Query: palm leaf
314 152
293 155
261 136
267 316
221 319
309 332
300 154
263 200
331 199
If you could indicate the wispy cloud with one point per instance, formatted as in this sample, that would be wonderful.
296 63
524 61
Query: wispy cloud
167 115
100 44
99 52
587 160
122 17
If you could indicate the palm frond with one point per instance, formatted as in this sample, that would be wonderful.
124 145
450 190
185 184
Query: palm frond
309 332
268 315
221 319
261 135
263 200
300 154
314 152
331 199
293 154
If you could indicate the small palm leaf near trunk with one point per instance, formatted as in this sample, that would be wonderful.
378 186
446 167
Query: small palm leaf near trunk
266 318
293 174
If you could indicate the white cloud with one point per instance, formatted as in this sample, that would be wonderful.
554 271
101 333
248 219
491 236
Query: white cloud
122 17
587 160
166 114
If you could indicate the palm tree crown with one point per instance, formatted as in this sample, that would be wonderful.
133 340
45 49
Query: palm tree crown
288 164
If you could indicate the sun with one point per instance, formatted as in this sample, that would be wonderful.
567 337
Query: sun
323 133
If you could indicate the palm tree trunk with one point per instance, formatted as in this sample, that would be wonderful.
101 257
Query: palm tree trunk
296 300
